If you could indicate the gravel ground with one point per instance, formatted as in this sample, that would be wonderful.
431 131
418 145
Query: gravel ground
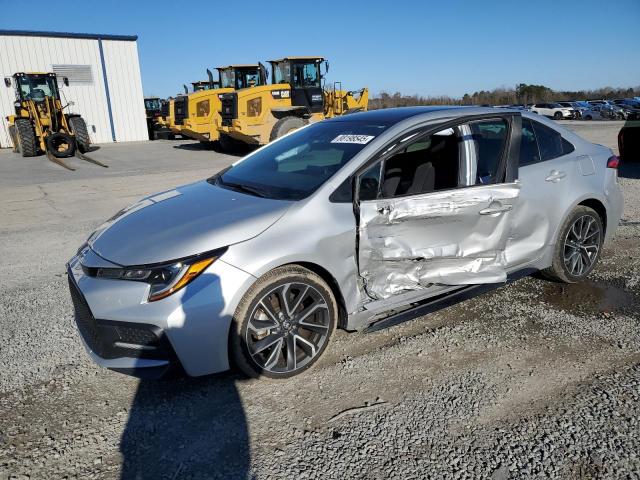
532 380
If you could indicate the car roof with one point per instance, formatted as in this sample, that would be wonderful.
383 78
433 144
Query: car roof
392 116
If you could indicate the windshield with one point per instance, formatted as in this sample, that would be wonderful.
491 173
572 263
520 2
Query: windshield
37 87
152 104
306 74
247 77
227 78
296 166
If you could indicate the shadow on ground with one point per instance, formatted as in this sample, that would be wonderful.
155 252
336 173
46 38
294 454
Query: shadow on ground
186 428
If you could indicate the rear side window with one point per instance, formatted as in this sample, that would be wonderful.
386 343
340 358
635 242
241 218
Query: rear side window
529 153
549 141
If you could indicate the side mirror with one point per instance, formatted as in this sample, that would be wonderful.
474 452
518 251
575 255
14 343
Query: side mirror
7 81
65 80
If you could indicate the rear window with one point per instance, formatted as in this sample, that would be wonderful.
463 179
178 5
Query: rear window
549 142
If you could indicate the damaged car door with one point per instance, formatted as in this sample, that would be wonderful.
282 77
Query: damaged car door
434 209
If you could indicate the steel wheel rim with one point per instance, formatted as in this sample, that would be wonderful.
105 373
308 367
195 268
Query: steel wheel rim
287 328
581 245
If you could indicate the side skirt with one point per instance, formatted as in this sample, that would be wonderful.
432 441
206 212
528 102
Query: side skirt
445 300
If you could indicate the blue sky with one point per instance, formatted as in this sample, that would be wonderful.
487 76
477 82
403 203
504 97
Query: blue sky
449 47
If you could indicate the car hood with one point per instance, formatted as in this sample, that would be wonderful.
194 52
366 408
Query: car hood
186 221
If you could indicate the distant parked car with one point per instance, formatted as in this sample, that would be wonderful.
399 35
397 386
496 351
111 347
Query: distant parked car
553 110
627 102
573 106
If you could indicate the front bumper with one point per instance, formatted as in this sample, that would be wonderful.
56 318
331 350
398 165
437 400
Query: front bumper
188 330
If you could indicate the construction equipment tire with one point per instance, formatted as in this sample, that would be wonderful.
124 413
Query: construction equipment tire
61 145
79 128
27 141
284 126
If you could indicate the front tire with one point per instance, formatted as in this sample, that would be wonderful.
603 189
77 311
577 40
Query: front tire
577 247
284 126
79 128
283 323
27 141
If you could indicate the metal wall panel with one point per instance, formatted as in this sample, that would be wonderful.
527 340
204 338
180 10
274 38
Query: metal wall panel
125 90
33 53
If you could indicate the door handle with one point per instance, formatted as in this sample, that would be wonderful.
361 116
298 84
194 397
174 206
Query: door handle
496 209
555 176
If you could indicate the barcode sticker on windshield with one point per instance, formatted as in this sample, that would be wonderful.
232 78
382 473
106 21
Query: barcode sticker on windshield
359 139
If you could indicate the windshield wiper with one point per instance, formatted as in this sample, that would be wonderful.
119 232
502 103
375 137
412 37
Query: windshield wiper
241 188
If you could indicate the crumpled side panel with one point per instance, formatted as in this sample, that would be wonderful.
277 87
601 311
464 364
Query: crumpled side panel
411 243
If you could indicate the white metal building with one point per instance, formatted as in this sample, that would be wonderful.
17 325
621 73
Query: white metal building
104 79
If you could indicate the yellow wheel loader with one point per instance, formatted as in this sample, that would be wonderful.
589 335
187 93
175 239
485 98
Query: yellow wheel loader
294 98
40 123
201 120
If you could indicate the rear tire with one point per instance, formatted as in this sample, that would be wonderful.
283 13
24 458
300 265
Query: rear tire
261 338
284 126
588 117
28 143
577 247
14 139
79 128
558 116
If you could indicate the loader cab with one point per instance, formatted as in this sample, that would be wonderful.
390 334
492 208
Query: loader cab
36 86
204 85
304 76
152 106
242 76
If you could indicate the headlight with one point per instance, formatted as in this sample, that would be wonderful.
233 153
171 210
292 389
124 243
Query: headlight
165 280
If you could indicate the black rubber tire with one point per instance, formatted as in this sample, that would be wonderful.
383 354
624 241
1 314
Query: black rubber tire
15 144
558 270
284 126
54 139
588 117
558 116
239 354
26 137
79 128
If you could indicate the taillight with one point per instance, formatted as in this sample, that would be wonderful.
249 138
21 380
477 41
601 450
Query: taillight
613 162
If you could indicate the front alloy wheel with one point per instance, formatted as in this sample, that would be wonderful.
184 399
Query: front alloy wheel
283 323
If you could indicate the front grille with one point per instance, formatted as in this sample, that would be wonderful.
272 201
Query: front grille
181 109
113 339
229 109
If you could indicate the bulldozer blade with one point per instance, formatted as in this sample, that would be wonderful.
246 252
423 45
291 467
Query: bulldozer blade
59 161
82 156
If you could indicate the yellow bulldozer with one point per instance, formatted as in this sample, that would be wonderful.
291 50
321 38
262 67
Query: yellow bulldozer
201 118
40 123
294 98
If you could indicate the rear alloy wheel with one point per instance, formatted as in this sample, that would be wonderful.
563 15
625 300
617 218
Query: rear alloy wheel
557 115
578 246
283 323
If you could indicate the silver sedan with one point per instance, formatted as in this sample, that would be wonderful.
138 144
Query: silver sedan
344 223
